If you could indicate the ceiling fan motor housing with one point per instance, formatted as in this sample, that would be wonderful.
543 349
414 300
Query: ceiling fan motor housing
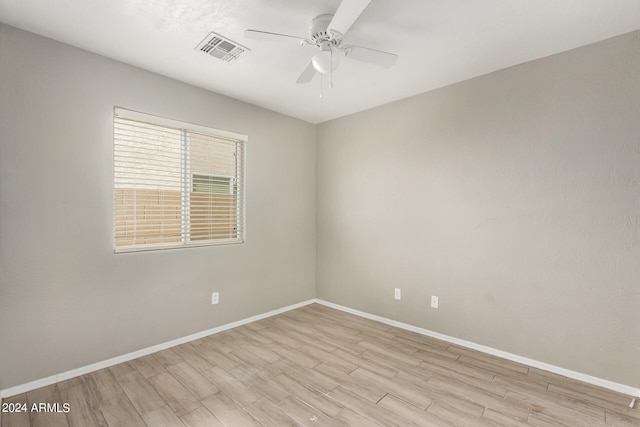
318 31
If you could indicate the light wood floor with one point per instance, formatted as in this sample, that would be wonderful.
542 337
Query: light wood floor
316 366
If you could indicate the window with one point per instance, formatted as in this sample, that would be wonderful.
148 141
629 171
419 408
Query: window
212 184
175 184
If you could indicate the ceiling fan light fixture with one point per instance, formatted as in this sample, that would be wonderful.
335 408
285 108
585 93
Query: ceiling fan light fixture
325 61
326 33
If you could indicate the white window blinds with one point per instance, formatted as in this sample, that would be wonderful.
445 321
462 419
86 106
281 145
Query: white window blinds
175 184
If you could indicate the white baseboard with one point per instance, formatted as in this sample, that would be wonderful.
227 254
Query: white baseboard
23 388
43 382
620 388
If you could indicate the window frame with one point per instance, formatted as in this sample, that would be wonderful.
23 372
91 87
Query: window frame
187 182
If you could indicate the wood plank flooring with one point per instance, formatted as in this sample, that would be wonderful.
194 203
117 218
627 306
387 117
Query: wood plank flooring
316 366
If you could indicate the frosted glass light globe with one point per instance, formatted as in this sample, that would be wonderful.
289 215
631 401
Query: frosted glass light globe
323 63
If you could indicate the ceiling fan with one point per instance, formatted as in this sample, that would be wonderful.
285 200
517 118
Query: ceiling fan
326 32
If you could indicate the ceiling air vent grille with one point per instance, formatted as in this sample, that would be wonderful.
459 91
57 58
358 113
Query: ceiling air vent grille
221 47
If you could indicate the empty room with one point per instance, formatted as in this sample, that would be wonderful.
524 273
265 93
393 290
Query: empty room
319 213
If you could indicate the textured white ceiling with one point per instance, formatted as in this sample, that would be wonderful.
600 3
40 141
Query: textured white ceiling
439 42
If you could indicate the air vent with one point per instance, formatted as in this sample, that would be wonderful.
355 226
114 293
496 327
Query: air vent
221 47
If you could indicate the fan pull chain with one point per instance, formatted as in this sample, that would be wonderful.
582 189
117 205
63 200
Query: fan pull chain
330 74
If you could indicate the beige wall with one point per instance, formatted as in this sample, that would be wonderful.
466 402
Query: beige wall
66 300
514 197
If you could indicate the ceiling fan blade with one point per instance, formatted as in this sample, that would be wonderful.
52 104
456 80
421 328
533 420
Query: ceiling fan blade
265 35
307 74
346 15
371 56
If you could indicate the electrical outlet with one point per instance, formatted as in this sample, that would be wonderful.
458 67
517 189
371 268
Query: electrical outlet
434 301
398 294
215 298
